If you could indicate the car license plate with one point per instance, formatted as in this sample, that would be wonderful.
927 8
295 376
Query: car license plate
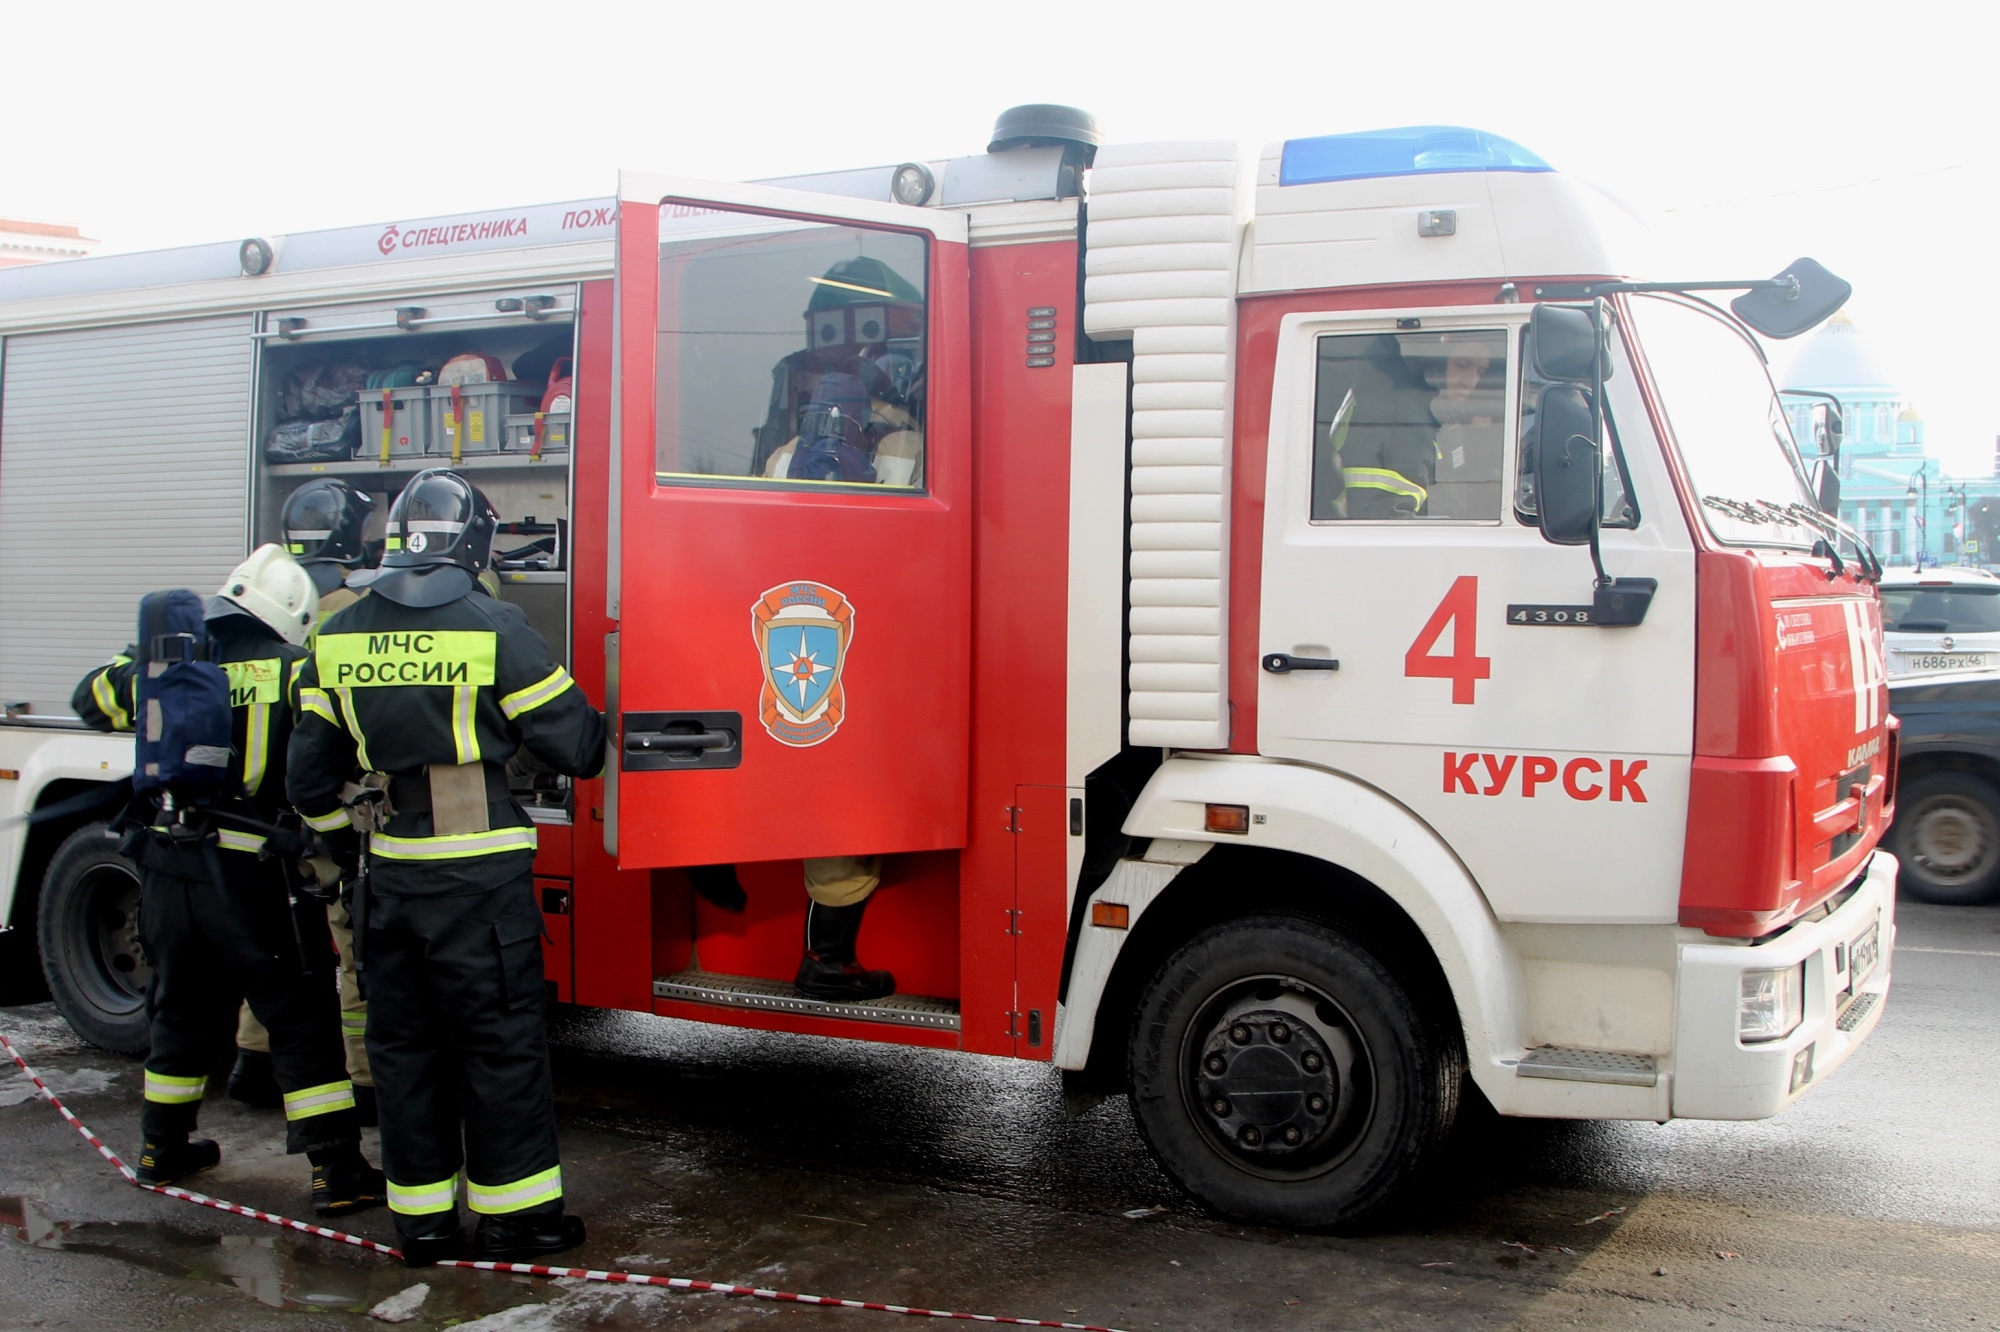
1948 661
1863 954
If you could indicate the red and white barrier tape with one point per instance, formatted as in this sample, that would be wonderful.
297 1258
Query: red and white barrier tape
525 1269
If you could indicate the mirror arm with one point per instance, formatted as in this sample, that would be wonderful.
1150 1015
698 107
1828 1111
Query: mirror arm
1576 291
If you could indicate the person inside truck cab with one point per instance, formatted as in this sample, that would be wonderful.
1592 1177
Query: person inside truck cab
849 405
1375 446
1469 409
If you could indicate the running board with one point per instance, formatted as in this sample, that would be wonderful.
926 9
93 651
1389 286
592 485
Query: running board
769 996
1570 1065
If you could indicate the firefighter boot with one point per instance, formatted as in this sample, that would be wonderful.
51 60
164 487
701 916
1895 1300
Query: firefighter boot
166 1159
344 1182
430 1250
525 1236
254 1080
829 970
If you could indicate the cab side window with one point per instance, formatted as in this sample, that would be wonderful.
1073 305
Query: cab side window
1409 425
794 356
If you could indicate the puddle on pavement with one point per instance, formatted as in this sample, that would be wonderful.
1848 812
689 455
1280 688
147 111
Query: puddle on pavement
273 1270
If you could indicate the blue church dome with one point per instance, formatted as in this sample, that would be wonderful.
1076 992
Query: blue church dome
1839 360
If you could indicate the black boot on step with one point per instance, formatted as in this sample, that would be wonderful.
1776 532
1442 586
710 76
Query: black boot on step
164 1160
829 970
254 1080
344 1182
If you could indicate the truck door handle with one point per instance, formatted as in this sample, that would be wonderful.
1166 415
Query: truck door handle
660 741
1283 663
650 742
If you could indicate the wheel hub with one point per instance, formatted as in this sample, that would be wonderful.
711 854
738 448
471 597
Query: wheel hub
1949 841
1268 1083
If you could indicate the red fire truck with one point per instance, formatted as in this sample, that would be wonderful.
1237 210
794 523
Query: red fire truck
1311 638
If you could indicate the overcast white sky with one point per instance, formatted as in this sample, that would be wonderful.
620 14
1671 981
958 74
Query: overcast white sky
1750 132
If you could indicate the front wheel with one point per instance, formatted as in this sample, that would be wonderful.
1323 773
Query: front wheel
1947 838
1283 1075
89 932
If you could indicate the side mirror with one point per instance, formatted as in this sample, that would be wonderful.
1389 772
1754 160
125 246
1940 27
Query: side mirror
1569 465
1811 294
1826 485
1565 338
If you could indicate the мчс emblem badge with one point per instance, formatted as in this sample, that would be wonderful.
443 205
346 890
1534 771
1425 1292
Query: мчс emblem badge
803 632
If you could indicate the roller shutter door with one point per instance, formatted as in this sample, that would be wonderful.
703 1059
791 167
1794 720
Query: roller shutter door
124 463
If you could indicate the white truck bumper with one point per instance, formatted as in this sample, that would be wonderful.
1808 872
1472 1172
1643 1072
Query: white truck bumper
1717 1075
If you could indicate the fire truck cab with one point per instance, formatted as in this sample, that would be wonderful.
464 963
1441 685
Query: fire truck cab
1305 648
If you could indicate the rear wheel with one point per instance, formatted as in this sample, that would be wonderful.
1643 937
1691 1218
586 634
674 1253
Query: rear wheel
1947 836
89 930
1283 1074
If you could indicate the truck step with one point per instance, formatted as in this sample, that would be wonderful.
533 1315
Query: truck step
709 987
1571 1065
1857 1012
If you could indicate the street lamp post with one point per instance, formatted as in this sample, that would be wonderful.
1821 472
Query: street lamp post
1956 495
1922 478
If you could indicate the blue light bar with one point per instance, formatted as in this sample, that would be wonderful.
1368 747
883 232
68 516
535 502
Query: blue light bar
1415 150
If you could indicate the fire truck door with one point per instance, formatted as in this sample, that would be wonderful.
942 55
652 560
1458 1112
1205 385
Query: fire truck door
1551 755
792 566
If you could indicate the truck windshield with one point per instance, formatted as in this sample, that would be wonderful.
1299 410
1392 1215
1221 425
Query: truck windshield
1729 425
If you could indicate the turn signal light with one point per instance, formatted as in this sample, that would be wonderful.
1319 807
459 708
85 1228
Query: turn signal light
1111 915
1229 819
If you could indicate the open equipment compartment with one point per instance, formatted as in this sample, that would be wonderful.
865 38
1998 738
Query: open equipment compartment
317 362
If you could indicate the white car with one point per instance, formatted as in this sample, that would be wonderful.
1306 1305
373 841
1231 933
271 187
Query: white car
1945 619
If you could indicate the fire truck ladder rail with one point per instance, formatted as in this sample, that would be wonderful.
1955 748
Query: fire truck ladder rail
772 996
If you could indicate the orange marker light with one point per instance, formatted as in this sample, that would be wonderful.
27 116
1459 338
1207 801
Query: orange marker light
1111 915
1229 819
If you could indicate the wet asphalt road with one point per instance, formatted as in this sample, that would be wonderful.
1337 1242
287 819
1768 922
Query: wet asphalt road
956 1182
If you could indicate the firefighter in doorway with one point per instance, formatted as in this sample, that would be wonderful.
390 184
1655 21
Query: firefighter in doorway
325 528
219 918
435 685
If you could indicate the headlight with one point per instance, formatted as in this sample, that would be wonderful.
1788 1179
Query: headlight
1771 1004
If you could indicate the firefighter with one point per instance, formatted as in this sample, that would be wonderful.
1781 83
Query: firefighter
1386 462
857 387
325 525
434 685
218 916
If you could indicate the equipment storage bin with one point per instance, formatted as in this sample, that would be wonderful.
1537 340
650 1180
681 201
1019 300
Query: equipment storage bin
406 414
481 413
521 433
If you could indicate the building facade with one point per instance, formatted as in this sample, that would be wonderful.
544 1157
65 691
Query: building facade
1891 491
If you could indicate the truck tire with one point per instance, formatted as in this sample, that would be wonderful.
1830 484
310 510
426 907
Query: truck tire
1283 1075
89 930
1947 836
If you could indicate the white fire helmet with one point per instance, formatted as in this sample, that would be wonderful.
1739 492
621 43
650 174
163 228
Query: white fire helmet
275 588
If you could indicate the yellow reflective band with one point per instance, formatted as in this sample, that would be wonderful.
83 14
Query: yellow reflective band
346 697
321 1100
231 840
392 543
464 734
527 700
330 822
1381 478
292 683
423 1199
501 1198
256 747
451 847
254 681
316 702
355 1021
166 1089
446 657
107 697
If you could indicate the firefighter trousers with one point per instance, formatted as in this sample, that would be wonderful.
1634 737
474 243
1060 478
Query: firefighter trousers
218 930
457 1041
250 1033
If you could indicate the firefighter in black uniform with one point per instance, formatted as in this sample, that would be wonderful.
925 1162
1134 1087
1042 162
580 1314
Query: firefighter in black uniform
325 528
220 920
434 684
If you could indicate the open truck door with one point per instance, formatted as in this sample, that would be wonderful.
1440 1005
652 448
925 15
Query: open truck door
792 499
